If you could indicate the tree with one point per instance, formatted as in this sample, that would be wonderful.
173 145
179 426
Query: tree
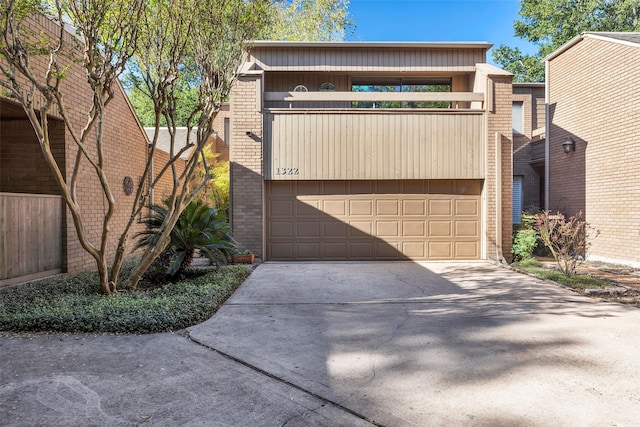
198 43
309 20
551 23
107 34
293 20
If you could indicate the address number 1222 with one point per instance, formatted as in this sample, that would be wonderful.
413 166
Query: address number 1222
287 171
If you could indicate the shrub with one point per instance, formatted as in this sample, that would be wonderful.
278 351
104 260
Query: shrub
198 228
524 242
566 239
74 304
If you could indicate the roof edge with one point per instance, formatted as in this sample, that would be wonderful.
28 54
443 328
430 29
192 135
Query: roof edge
378 44
598 35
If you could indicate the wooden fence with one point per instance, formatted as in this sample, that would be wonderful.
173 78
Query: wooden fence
30 236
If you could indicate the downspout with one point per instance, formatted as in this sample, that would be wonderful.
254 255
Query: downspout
498 157
546 134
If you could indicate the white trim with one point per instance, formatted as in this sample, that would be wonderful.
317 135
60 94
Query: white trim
594 35
546 135
383 44
602 36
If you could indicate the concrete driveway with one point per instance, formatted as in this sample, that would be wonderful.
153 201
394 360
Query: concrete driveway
348 344
435 343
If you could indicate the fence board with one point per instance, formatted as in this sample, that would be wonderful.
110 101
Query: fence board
30 235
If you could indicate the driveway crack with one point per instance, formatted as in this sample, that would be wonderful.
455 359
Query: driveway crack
185 333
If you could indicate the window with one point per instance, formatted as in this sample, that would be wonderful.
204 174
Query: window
516 207
227 132
517 118
389 84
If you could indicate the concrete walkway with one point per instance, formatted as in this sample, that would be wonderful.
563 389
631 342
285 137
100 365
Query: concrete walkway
348 344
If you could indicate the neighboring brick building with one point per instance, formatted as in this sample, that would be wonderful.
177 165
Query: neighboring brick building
38 236
328 164
528 147
594 102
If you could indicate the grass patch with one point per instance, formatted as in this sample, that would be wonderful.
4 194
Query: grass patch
577 281
74 304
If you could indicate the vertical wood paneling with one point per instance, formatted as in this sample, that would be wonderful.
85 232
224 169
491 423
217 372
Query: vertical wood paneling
30 234
324 145
366 59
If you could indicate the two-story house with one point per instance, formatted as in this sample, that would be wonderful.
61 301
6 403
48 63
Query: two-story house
371 151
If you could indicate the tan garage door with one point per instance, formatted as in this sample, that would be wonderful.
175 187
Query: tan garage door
373 220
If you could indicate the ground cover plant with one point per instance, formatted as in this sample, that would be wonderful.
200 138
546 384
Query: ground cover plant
73 303
578 282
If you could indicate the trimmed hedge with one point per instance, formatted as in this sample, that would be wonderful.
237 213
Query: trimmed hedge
74 304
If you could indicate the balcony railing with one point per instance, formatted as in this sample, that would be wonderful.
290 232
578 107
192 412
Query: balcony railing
456 100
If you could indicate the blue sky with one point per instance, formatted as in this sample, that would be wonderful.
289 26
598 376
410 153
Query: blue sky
437 20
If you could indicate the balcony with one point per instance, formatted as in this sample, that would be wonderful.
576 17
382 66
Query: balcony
321 136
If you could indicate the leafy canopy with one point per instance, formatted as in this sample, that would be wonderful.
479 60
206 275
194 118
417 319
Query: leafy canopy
550 23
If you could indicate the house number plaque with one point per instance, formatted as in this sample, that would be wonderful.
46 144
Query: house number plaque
287 171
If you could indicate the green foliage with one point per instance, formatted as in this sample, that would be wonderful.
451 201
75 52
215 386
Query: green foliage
576 281
309 20
567 239
198 228
524 242
525 68
312 20
551 23
73 304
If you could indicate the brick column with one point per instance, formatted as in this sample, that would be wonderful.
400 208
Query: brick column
246 162
499 131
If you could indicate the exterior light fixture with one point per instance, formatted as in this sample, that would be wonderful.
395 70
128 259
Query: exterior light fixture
568 145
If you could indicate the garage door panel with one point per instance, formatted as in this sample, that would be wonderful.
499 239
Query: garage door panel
361 187
280 251
467 229
308 208
280 229
440 207
361 250
334 207
281 208
440 229
414 229
361 207
388 250
414 207
387 229
467 250
466 207
334 229
416 250
367 220
387 207
307 229
335 251
440 250
308 251
360 228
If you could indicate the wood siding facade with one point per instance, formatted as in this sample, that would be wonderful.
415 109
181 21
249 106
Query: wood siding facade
374 144
30 236
367 59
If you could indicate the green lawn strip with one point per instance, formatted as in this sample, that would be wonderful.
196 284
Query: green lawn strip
578 282
73 304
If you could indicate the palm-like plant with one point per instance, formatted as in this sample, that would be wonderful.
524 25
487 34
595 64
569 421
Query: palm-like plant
198 228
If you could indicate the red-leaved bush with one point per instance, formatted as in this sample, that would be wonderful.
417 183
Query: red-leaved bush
567 239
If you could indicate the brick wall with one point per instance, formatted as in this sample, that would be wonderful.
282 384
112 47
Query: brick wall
499 121
532 99
595 99
125 154
246 164
221 141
